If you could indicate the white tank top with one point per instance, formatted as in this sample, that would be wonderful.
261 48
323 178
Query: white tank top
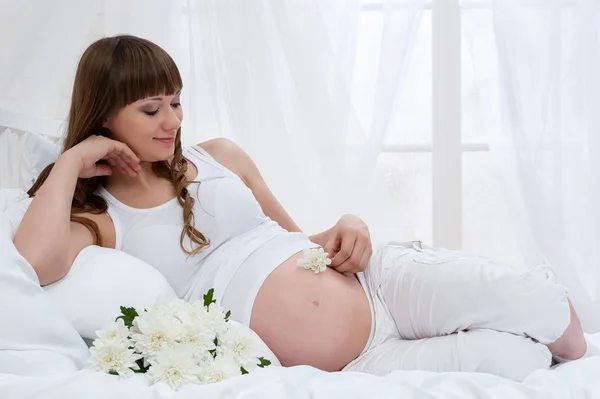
245 244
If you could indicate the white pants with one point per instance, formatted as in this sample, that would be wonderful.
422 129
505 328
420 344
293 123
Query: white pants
441 310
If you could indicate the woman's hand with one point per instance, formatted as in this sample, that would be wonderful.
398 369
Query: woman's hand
349 245
90 151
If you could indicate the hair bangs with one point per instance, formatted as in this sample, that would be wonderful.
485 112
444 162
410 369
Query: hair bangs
142 69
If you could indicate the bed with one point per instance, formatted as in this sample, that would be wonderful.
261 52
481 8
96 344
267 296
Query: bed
45 344
578 379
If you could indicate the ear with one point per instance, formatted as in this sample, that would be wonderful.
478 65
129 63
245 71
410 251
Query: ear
106 123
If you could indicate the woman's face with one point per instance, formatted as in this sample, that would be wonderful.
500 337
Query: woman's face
148 126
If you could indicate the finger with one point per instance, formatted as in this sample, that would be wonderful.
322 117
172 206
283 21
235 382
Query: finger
111 159
102 170
124 166
332 246
352 263
114 165
130 159
129 156
365 259
131 169
345 251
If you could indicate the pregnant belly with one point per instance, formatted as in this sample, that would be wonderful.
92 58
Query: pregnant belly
322 320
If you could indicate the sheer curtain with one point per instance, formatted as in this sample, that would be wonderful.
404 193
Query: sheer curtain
306 87
41 42
289 81
543 113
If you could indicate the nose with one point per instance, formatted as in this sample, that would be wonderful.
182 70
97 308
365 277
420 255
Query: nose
172 120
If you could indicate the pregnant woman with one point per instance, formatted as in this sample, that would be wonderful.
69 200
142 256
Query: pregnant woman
203 216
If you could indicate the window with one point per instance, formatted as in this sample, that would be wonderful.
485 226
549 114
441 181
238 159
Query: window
436 159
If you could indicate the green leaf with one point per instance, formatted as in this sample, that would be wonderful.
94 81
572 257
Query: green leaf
216 341
227 315
140 363
113 372
213 352
243 370
208 298
128 315
263 362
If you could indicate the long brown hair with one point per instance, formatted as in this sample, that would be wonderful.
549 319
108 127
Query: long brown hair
112 73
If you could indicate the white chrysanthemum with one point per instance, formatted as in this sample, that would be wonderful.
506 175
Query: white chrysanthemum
168 308
141 314
314 259
115 334
155 333
116 359
191 313
198 339
242 344
215 319
220 369
175 368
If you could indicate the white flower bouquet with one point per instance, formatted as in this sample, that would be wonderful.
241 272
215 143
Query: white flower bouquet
177 342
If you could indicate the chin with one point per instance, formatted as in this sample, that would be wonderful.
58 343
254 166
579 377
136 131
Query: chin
158 156
165 157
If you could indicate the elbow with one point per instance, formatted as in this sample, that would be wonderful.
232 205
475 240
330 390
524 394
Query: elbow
44 272
48 269
50 272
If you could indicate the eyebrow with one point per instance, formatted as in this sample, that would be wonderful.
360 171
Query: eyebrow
160 98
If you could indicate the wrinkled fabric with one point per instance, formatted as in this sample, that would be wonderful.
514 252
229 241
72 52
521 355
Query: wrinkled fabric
442 310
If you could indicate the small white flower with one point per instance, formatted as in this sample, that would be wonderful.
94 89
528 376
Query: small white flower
174 367
114 359
191 313
196 314
242 344
220 369
215 319
115 334
156 332
314 259
197 339
168 308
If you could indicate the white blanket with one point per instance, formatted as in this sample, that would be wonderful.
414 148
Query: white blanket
32 330
577 379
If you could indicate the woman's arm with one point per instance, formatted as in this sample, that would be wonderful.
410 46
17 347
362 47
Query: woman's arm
46 237
348 242
46 232
230 155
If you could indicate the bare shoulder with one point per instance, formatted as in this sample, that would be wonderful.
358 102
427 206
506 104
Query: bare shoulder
230 155
218 145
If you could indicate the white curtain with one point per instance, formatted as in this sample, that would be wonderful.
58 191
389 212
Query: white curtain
306 87
40 45
543 110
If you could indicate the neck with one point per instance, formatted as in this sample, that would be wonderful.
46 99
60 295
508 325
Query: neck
145 179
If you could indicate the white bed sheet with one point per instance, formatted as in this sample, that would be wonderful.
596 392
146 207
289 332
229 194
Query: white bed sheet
578 379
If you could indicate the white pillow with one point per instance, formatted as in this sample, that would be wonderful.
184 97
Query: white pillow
23 156
102 280
14 204
35 339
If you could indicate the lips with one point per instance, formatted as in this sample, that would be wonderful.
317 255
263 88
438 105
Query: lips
166 140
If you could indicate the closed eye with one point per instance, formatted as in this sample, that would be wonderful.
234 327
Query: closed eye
152 113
